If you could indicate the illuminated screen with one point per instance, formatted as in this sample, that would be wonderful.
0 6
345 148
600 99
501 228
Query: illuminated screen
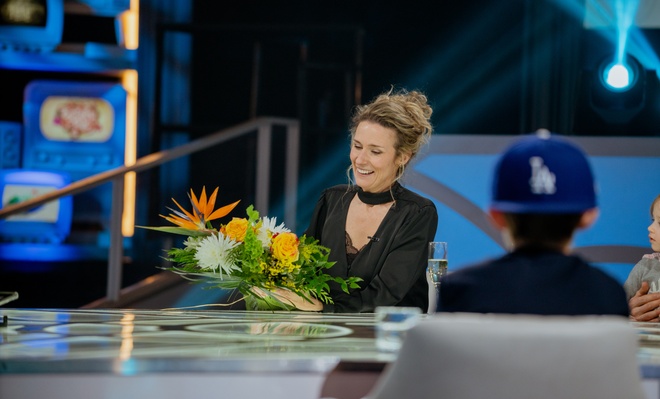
76 119
46 223
23 12
78 127
14 194
31 25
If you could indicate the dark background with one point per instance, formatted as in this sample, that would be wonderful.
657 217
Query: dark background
487 67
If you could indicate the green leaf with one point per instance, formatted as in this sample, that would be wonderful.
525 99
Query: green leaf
178 230
253 215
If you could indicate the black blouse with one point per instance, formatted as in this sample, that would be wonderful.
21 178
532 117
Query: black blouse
392 265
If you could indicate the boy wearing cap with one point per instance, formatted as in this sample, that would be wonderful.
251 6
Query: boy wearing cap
543 191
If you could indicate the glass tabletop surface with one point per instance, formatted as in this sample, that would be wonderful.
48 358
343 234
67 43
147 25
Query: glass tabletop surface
127 341
130 341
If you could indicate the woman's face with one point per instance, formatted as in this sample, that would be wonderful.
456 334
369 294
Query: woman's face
654 228
374 158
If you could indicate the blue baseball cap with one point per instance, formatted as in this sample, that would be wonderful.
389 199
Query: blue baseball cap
543 173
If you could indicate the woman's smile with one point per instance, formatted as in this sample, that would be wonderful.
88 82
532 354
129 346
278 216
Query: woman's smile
374 157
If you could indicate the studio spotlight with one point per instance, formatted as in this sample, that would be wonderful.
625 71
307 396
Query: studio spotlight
618 76
618 89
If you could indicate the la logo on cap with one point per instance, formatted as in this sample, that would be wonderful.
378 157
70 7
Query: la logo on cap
542 180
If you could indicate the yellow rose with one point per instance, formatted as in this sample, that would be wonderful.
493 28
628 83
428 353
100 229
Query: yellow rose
236 229
285 247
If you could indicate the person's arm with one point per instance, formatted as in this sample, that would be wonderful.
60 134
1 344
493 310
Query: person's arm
642 305
291 299
315 229
297 301
645 306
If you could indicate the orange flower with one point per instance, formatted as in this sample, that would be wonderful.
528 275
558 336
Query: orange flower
236 229
202 211
285 247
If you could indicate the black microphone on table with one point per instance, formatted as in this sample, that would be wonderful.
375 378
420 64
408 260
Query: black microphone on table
373 239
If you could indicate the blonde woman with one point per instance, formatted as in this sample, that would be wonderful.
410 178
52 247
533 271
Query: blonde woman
375 228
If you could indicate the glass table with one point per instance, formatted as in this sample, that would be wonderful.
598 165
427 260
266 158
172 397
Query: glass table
176 352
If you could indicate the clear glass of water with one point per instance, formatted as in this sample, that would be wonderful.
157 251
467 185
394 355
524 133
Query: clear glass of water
392 322
437 265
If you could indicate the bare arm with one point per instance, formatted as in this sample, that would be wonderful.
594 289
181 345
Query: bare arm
290 298
645 306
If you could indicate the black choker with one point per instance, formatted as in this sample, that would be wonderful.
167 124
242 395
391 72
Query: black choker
375 198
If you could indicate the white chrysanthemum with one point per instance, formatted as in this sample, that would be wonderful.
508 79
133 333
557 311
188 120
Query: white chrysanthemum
268 229
213 253
271 225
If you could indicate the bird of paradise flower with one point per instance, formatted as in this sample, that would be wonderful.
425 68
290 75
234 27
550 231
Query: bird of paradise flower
198 221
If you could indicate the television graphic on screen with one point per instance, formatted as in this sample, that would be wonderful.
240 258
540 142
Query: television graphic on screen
31 25
47 223
77 127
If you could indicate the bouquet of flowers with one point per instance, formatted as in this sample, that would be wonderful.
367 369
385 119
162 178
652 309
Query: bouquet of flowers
253 255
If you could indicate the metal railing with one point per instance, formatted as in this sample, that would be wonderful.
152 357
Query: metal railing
264 128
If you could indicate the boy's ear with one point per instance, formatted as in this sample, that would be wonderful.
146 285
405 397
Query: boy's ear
588 218
498 219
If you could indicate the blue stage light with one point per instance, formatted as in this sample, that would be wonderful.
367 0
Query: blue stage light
618 76
618 91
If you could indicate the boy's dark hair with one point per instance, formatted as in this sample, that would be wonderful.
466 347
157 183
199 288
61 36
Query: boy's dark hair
548 230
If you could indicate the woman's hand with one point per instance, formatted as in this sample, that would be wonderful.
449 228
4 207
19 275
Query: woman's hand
291 298
645 306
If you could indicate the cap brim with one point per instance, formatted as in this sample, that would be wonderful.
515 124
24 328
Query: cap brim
517 207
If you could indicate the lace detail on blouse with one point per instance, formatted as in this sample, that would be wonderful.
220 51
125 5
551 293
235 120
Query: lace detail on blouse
351 251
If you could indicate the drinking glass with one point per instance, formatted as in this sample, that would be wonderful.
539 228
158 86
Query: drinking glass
437 266
392 323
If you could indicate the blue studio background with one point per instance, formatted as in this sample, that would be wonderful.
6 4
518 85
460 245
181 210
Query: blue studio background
459 183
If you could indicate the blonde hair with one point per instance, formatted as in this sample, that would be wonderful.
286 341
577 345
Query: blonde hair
653 204
408 113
